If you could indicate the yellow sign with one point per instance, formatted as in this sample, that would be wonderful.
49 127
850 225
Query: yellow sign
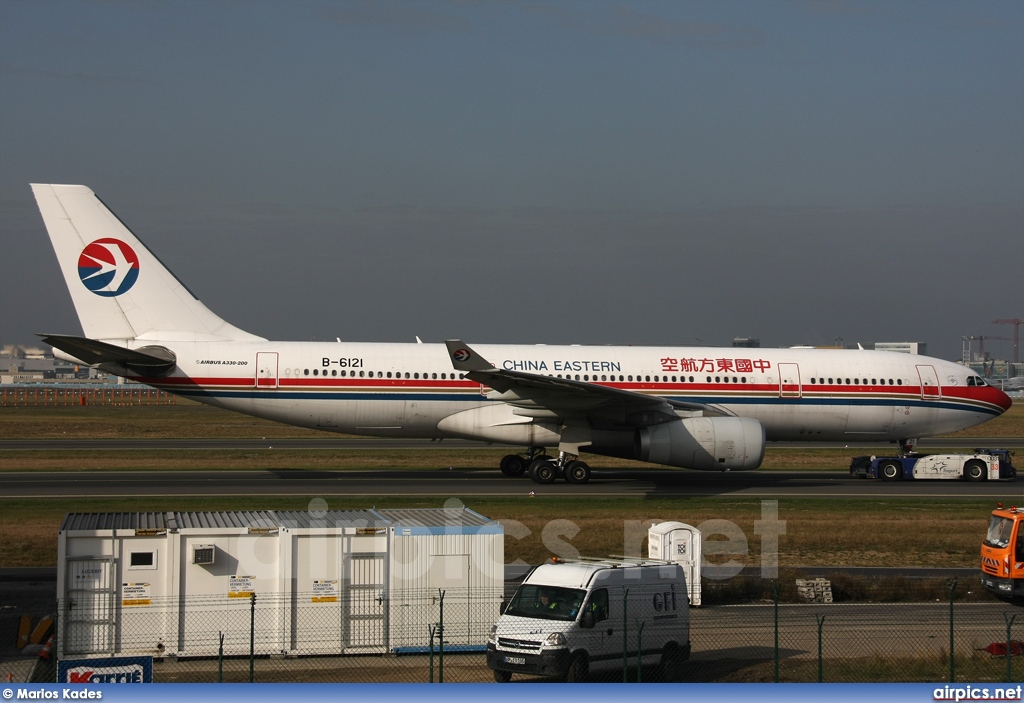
324 592
134 594
241 587
262 530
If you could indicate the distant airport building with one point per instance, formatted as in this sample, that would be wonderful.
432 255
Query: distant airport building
747 342
18 367
997 369
903 347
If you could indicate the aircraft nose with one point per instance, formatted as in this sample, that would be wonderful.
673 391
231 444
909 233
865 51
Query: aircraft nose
1002 400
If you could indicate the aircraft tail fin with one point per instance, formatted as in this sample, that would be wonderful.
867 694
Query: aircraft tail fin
120 289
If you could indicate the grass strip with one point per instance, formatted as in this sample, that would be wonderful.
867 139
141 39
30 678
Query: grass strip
893 531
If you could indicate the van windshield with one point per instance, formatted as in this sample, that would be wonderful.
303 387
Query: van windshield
546 602
999 529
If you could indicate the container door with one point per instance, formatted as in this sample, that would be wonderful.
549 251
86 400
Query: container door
89 613
450 573
317 599
365 617
684 545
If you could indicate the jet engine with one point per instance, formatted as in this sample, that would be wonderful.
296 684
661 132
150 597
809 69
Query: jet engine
707 443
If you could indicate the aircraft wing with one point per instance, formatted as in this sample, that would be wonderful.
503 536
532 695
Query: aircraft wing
547 396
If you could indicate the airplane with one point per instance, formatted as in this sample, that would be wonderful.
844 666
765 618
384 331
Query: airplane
690 407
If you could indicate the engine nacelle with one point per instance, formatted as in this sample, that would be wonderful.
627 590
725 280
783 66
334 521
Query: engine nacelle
707 443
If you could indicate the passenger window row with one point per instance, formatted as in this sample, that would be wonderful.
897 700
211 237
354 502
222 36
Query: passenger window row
622 378
444 376
857 381
377 374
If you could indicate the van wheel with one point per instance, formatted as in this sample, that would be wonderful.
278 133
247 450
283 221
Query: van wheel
577 670
974 471
671 663
502 676
890 471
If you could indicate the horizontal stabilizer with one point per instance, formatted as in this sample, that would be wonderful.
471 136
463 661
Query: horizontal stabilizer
149 361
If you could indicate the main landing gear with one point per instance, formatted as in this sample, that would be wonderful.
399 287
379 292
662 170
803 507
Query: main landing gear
545 469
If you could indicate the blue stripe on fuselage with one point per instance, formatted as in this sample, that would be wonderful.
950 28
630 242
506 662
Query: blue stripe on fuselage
477 398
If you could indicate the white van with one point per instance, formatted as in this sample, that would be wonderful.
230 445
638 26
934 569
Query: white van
571 617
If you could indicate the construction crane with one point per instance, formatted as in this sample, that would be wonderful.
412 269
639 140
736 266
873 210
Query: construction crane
1016 335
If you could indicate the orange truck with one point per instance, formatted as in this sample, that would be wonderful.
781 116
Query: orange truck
1002 553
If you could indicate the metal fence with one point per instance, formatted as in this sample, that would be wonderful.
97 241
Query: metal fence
63 395
934 635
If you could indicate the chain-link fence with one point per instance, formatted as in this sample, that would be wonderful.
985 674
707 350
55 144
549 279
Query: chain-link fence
67 394
935 633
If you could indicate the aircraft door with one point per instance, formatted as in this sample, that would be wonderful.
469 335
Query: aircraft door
929 382
266 369
789 381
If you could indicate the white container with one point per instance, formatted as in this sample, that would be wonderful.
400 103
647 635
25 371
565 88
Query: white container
329 582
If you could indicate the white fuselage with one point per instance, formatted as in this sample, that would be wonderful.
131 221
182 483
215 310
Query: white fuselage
699 407
407 390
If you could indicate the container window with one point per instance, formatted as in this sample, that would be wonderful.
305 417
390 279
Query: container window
142 560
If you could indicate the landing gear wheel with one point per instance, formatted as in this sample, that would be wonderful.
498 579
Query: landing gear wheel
542 471
974 471
890 471
577 472
513 465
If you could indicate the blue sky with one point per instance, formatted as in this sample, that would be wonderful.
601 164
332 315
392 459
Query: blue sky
561 172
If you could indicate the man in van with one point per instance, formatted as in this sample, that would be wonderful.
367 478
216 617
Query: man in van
546 603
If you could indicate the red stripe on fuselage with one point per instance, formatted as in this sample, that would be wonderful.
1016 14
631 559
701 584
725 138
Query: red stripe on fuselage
984 394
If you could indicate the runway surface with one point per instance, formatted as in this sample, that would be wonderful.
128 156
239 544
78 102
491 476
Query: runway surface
483 482
329 442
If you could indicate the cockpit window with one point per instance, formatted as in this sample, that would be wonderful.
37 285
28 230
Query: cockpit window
975 381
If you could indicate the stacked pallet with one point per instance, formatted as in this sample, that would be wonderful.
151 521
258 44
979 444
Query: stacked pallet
817 590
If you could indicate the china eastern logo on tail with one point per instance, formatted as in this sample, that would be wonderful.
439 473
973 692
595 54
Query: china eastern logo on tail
108 267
